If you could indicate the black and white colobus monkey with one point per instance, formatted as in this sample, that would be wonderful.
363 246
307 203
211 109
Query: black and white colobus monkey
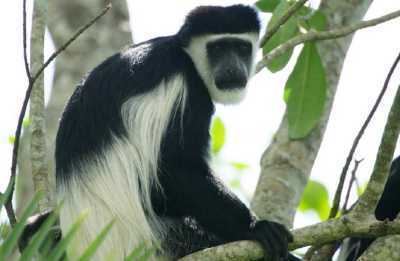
133 142
388 208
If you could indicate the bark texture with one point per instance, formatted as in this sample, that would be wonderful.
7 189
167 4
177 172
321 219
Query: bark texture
286 164
321 233
24 183
40 173
385 248
106 37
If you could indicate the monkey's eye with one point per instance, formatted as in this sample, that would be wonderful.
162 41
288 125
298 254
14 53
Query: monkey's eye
244 48
217 47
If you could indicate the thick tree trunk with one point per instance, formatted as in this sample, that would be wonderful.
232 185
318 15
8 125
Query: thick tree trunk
40 171
286 164
384 248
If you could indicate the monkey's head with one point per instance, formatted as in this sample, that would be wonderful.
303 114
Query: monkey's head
222 43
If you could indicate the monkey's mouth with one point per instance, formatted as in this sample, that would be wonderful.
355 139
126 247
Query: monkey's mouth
229 84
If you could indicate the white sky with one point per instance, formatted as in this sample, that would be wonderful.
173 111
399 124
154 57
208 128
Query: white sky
251 124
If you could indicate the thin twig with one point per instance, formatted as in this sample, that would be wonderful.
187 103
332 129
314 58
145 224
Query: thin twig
338 193
359 221
76 35
28 72
352 181
8 204
282 20
369 199
325 252
324 35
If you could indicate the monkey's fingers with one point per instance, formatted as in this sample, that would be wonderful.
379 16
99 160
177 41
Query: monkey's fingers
274 238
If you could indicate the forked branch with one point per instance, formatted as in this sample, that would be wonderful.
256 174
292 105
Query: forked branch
324 35
31 80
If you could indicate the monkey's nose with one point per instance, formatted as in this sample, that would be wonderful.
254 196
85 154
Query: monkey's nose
230 79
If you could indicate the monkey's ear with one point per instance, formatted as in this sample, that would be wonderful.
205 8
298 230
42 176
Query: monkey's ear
33 225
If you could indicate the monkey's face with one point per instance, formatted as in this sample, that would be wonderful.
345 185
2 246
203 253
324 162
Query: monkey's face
230 62
225 63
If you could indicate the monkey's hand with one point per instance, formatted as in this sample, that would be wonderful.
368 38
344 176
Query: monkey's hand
273 237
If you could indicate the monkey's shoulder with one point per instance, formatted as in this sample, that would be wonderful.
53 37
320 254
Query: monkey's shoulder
136 69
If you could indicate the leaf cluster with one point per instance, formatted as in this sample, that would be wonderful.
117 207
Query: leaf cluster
43 244
306 86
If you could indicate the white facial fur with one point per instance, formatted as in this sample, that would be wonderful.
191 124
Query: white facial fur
198 52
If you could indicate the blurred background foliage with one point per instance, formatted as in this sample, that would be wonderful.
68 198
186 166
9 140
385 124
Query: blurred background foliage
315 197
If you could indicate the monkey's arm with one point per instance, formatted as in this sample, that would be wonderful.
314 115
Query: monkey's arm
203 197
197 193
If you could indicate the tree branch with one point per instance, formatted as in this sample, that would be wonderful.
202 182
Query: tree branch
321 233
8 204
28 72
324 35
353 179
384 248
73 38
369 199
338 193
36 113
322 253
286 164
325 252
360 221
283 19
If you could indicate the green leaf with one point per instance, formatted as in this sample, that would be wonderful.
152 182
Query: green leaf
7 193
286 32
91 249
312 19
217 135
318 21
307 86
234 183
304 12
5 230
136 253
267 5
286 94
11 139
140 253
361 189
26 122
12 240
61 246
240 165
148 252
315 197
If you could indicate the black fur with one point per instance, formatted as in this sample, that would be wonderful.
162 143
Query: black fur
388 208
200 210
33 225
219 20
92 114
